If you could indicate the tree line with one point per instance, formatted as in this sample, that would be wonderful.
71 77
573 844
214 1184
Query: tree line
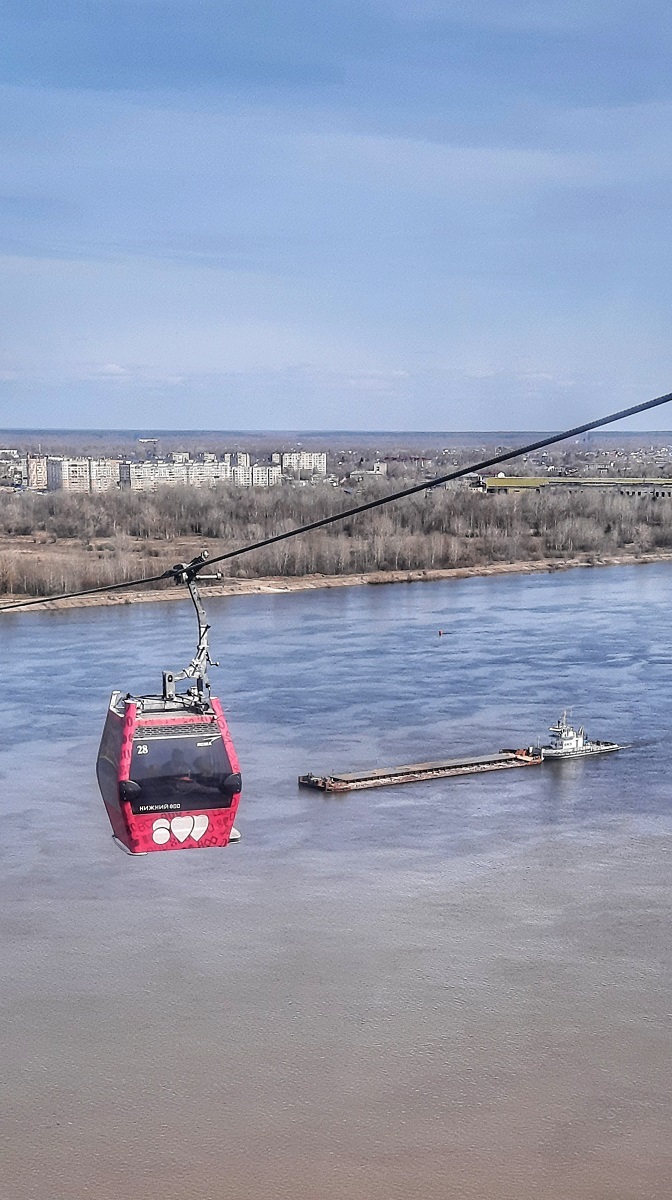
61 541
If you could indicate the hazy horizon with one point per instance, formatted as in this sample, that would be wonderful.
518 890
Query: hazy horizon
148 433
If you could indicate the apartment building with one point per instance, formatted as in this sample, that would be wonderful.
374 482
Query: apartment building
36 472
12 468
241 476
304 460
148 475
263 476
208 471
62 473
205 471
138 476
103 474
68 475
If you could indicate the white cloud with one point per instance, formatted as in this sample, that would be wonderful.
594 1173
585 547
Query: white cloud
111 371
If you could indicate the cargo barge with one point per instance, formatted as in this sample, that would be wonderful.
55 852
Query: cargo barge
354 781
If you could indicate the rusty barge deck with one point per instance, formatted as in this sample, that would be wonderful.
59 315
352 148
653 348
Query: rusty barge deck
354 781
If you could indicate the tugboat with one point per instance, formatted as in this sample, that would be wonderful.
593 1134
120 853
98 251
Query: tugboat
573 743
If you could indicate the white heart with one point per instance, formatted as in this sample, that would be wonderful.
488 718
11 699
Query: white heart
201 823
182 827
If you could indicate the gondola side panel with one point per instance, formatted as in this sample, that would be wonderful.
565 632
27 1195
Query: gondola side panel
134 834
233 759
107 771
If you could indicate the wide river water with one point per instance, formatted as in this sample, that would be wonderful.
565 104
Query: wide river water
451 989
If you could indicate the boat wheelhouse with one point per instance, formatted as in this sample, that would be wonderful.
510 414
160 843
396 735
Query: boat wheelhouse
568 742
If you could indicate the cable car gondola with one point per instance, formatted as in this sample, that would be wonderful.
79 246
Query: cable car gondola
167 768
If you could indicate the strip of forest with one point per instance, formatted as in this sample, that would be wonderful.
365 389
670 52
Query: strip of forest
59 541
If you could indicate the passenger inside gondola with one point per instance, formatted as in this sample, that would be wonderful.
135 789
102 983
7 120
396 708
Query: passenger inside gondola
188 776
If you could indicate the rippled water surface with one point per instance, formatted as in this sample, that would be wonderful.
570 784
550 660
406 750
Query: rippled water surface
452 989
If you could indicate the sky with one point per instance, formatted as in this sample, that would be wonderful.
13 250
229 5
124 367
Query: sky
334 214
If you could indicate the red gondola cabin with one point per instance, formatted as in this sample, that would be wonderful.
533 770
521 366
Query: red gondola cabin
168 774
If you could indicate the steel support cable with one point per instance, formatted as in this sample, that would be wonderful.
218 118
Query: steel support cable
105 587
505 456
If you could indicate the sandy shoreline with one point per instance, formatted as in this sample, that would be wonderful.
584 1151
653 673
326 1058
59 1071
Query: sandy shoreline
278 584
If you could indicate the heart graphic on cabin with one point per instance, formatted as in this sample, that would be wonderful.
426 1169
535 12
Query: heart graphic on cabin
181 827
201 823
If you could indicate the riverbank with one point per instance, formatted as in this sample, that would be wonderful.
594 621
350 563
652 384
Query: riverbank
278 584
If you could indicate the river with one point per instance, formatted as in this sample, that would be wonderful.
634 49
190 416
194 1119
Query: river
450 989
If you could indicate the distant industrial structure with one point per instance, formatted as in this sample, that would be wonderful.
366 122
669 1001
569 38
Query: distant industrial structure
503 484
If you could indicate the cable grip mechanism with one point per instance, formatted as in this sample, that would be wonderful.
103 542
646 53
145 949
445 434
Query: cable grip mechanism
187 573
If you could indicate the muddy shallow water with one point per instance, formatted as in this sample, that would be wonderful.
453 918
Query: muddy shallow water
451 989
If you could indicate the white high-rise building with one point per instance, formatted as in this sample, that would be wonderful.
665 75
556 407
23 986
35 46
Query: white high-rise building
263 476
103 474
241 476
58 472
305 460
36 472
65 474
138 476
208 472
171 473
68 474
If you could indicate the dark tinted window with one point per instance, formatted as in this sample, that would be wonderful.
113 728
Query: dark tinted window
180 773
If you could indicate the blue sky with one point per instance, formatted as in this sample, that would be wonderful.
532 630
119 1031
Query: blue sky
388 214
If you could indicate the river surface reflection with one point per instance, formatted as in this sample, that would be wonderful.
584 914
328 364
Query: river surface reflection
452 989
